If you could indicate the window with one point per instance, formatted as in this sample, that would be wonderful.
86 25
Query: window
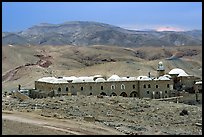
67 89
147 92
149 86
157 86
112 86
82 88
122 86
165 91
90 94
157 92
101 87
144 86
90 87
167 85
59 89
133 86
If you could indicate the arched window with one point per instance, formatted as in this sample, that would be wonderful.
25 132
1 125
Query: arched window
144 86
147 92
133 86
167 85
149 86
59 89
112 87
82 88
67 89
157 86
113 94
123 94
122 86
101 87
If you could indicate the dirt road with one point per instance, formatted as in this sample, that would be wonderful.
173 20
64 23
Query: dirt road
64 126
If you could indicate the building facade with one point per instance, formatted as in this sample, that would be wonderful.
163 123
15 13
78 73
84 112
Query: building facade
141 87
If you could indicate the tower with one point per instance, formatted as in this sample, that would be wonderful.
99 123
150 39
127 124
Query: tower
160 69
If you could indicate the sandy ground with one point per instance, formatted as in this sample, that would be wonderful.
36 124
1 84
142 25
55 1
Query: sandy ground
17 123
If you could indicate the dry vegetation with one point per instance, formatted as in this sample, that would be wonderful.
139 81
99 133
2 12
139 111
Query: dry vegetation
107 115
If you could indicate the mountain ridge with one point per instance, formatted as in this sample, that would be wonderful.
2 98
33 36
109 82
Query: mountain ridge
85 33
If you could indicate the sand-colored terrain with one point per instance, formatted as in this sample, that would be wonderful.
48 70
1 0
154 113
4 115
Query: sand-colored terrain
25 64
108 115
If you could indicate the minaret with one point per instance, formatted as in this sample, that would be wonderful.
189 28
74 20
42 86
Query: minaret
160 69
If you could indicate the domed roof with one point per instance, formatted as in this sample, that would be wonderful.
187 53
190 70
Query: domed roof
87 79
176 71
98 76
183 75
114 78
70 78
100 80
163 78
52 80
160 63
143 78
168 76
77 80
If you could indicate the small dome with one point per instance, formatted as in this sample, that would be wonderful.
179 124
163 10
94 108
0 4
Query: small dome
160 63
132 78
70 78
87 79
100 80
97 76
176 71
114 78
52 80
168 76
143 78
183 75
163 78
77 80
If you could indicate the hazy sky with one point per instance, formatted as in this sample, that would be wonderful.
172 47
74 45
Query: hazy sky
18 16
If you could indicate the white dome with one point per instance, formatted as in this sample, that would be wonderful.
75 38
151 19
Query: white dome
123 78
78 80
143 78
163 78
183 75
132 78
70 78
97 76
87 79
100 80
160 63
176 71
168 76
52 80
114 78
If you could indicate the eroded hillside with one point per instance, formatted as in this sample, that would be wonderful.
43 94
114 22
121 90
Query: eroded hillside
25 64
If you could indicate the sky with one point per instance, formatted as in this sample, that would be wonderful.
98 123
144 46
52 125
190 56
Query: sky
160 16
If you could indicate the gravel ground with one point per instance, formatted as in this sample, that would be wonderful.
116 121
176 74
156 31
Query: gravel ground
20 128
128 115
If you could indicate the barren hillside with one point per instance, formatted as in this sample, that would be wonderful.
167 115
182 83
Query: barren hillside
25 64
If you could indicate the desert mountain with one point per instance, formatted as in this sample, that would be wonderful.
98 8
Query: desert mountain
84 33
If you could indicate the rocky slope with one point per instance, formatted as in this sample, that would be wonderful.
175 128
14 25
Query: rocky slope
130 116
